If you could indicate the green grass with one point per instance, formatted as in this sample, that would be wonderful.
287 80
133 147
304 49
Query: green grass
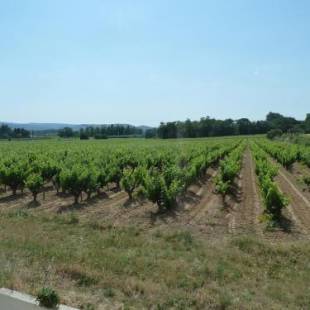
91 265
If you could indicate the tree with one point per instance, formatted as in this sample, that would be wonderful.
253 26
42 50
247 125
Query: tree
307 123
189 130
5 132
66 132
228 128
245 126
84 136
168 130
205 126
150 133
210 127
278 121
20 133
261 127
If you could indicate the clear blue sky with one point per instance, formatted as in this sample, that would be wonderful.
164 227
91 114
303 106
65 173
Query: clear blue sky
142 62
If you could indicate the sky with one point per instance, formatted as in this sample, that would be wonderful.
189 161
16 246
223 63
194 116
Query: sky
143 62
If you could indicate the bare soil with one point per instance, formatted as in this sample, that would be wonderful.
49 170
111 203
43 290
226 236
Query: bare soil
202 208
299 206
296 175
248 207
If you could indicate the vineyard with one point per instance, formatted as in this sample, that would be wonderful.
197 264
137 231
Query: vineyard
135 196
159 173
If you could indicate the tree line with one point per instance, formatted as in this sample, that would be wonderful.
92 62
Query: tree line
210 127
275 124
101 132
8 133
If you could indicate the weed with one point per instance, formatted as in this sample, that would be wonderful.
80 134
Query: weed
48 298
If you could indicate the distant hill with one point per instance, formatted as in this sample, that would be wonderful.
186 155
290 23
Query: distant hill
57 126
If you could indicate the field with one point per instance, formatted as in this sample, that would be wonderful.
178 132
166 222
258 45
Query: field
218 223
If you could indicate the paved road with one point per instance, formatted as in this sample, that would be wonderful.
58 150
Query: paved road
12 300
9 303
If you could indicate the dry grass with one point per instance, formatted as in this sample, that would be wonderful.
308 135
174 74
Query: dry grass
95 266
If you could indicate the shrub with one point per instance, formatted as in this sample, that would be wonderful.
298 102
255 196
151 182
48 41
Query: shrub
273 133
13 174
163 187
34 183
131 179
76 180
48 298
274 200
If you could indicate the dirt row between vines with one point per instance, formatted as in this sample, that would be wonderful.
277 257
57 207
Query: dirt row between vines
296 174
246 212
239 214
299 204
59 203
